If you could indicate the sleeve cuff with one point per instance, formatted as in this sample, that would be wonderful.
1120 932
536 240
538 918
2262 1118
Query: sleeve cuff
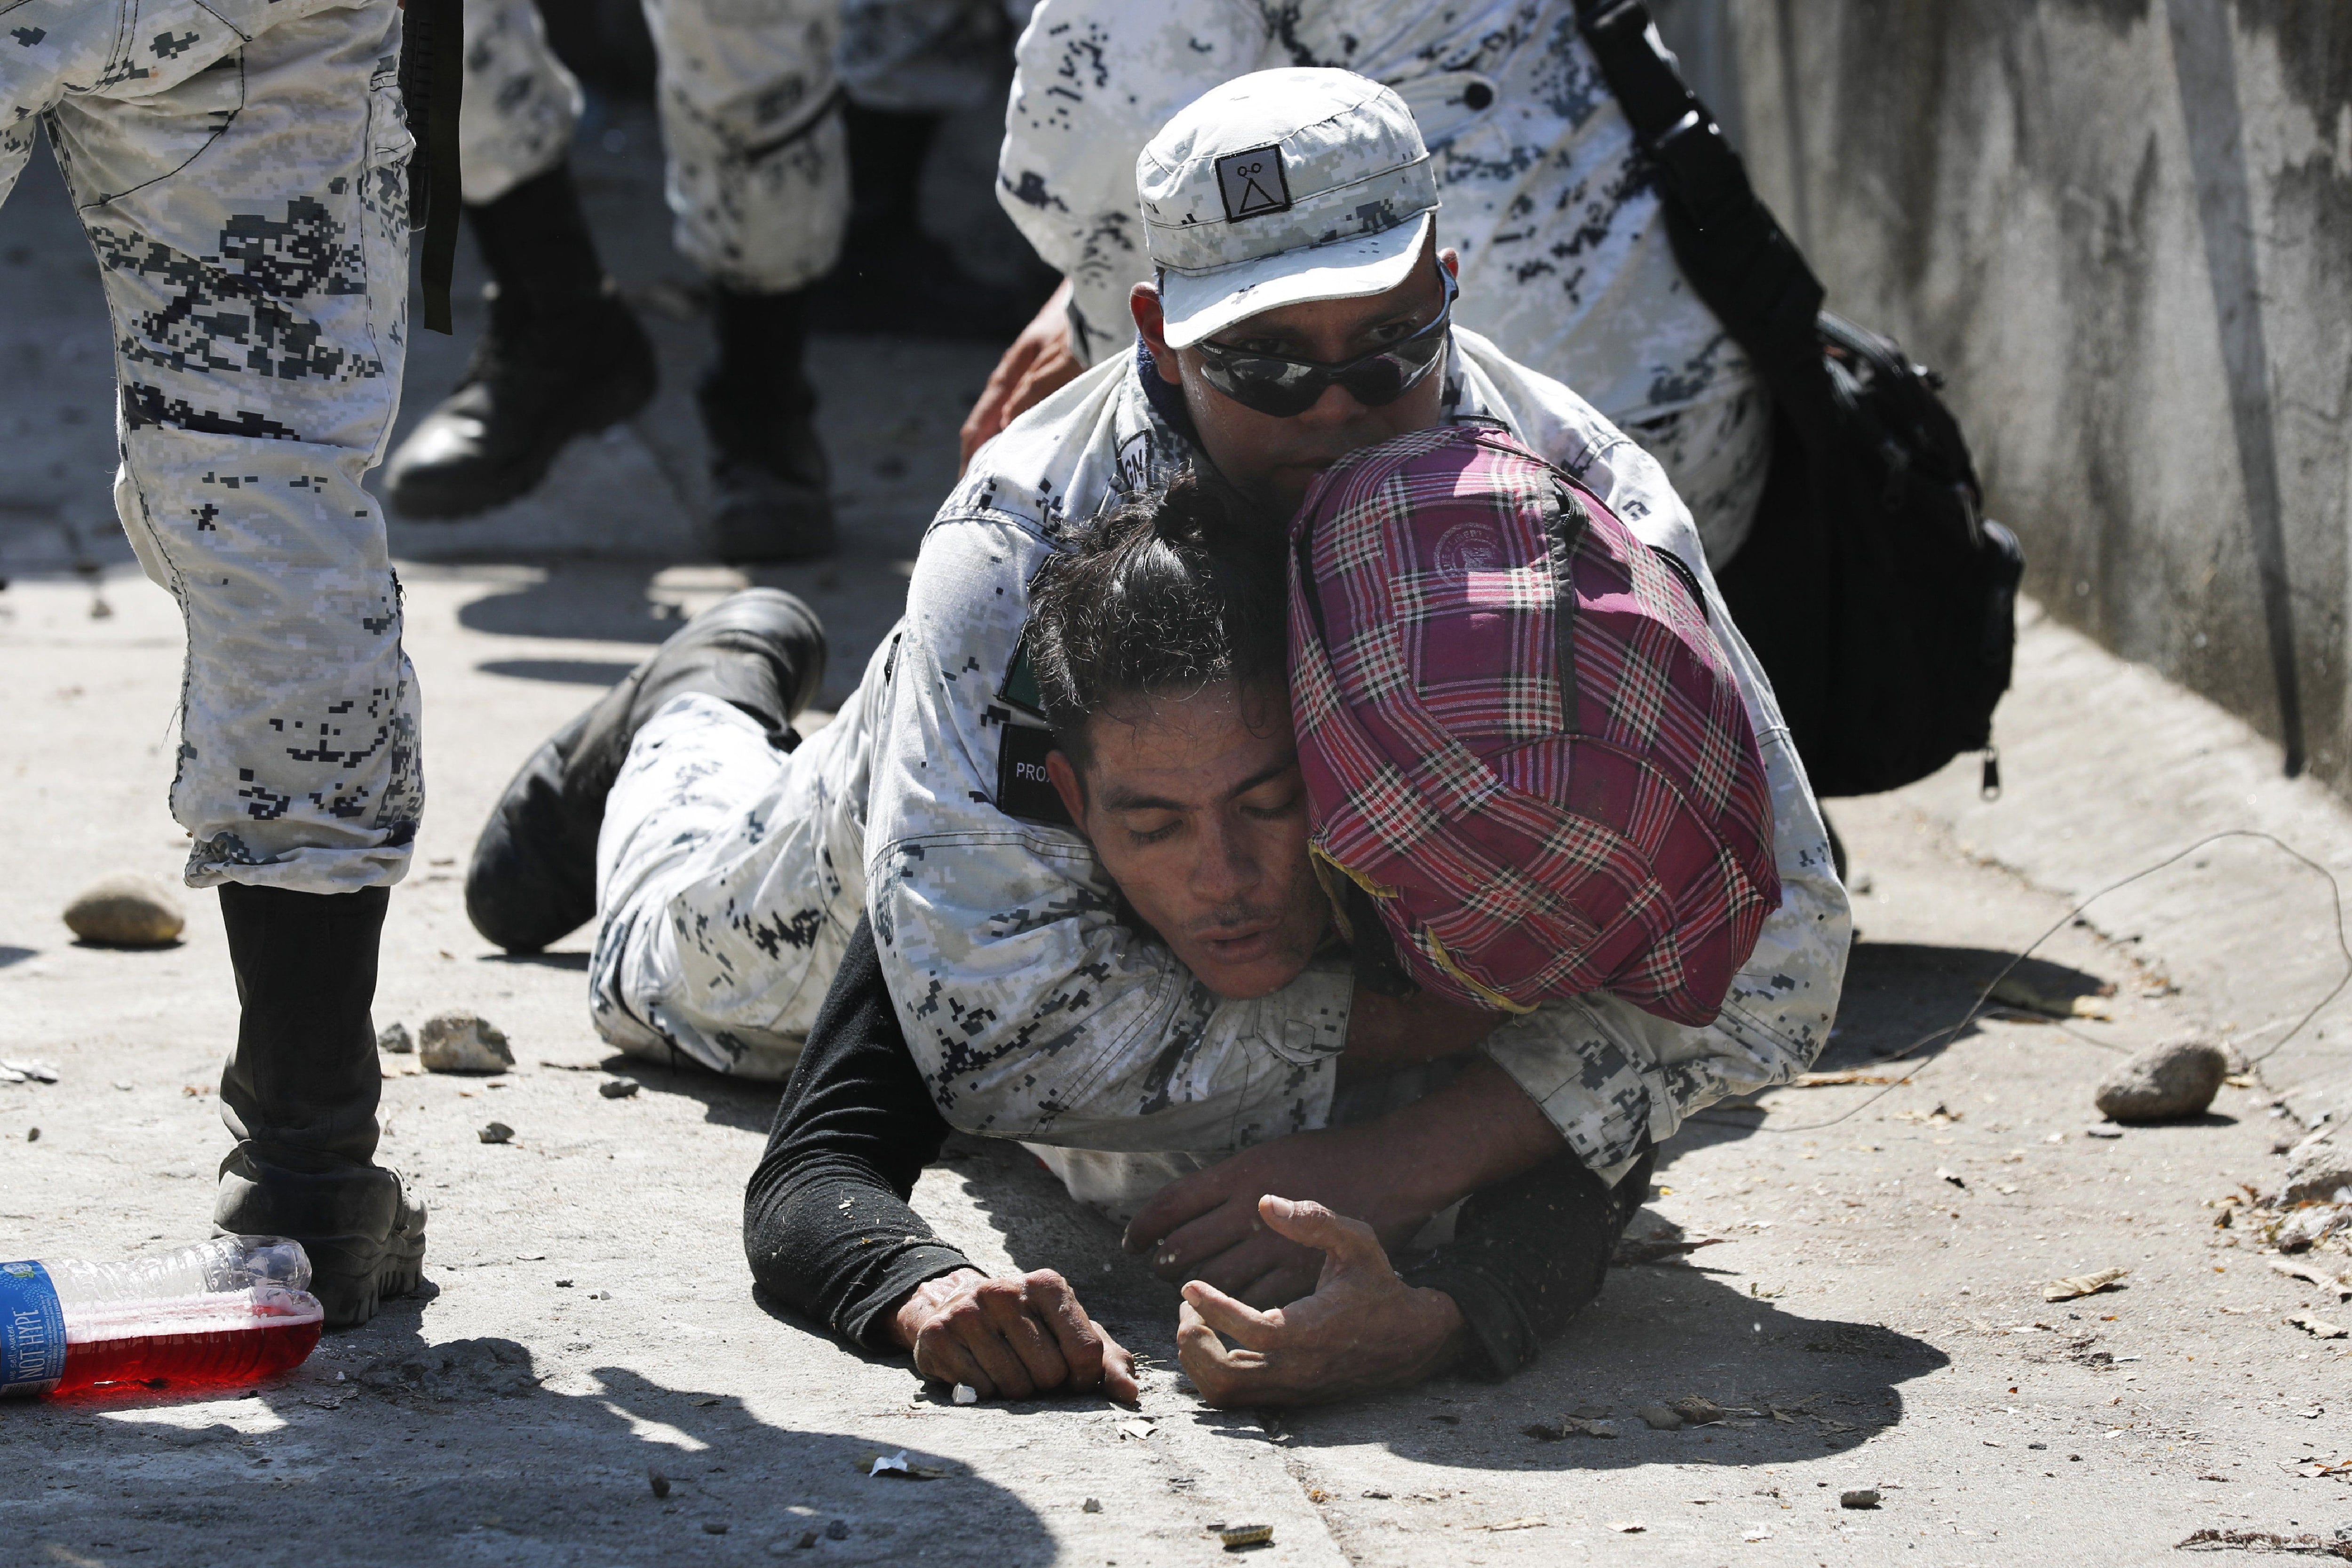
1502 1339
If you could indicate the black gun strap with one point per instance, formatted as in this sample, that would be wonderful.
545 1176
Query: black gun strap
1730 247
448 187
432 83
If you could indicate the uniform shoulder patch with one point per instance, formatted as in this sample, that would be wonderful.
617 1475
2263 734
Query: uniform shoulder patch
1252 183
1019 689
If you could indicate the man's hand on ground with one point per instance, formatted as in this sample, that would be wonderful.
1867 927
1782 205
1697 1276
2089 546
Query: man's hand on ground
1210 1227
1011 1339
1363 1328
1038 364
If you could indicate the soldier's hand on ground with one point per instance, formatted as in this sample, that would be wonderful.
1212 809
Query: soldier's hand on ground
1011 1339
1363 1328
1039 364
1210 1227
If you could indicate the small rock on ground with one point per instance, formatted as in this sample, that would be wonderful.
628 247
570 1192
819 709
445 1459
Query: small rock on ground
2164 1083
126 910
496 1132
463 1042
395 1039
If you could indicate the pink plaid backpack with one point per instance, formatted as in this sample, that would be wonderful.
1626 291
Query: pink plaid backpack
1520 735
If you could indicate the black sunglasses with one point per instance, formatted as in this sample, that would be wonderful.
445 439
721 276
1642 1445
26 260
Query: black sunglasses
1271 383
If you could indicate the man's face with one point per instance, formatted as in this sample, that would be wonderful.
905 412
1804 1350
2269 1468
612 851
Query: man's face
1197 810
1273 460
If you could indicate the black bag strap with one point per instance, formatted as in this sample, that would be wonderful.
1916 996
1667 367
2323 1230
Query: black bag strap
1733 250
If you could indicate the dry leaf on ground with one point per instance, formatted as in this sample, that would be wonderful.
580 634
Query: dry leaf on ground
2311 1276
2081 1285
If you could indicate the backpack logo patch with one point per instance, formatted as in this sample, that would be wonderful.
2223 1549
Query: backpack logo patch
1252 183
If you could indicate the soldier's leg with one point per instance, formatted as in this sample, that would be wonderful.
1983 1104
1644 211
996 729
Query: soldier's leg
563 355
247 201
906 66
759 189
682 813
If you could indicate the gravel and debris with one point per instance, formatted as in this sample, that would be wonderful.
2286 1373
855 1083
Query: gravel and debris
463 1042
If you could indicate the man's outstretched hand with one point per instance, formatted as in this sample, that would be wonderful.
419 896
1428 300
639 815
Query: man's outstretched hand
1364 1329
1011 1339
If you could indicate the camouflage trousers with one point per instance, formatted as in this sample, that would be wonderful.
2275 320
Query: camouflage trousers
758 173
750 98
240 168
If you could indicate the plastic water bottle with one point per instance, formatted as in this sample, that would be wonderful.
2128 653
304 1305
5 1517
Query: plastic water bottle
230 1311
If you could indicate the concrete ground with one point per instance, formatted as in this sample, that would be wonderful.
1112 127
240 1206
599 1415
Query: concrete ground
1878 1308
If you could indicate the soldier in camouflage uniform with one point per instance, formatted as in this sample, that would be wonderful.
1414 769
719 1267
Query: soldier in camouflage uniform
732 862
1563 244
760 144
758 189
240 168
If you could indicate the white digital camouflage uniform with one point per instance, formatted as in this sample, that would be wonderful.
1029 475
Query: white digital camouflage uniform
1564 250
749 93
240 167
731 875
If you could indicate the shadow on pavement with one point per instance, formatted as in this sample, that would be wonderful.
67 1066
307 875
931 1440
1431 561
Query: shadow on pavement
454 1453
743 1103
1898 993
563 671
589 601
1655 1335
575 961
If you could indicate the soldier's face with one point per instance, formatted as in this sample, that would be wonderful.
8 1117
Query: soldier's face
1197 810
1273 460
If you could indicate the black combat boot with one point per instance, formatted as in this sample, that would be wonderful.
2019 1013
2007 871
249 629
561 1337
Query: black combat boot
534 876
300 1092
773 483
563 357
893 278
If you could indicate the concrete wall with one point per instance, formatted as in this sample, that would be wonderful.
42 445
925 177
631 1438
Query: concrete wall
2123 229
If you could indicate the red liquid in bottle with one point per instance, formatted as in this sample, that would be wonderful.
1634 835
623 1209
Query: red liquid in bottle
237 1337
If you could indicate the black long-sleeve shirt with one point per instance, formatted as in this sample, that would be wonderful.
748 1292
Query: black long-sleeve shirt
829 1232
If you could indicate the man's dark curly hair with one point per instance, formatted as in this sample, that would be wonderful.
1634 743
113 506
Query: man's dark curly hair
1179 588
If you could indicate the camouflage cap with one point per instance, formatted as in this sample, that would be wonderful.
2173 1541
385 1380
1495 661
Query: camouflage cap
1282 186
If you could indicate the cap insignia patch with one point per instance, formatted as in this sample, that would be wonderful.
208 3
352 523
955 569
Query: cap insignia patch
1252 183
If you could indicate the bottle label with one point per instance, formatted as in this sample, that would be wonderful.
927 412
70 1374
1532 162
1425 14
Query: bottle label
31 1331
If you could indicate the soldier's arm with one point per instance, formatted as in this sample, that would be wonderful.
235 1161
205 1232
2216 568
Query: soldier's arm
1094 80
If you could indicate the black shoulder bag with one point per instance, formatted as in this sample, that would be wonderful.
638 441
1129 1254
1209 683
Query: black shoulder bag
1878 598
